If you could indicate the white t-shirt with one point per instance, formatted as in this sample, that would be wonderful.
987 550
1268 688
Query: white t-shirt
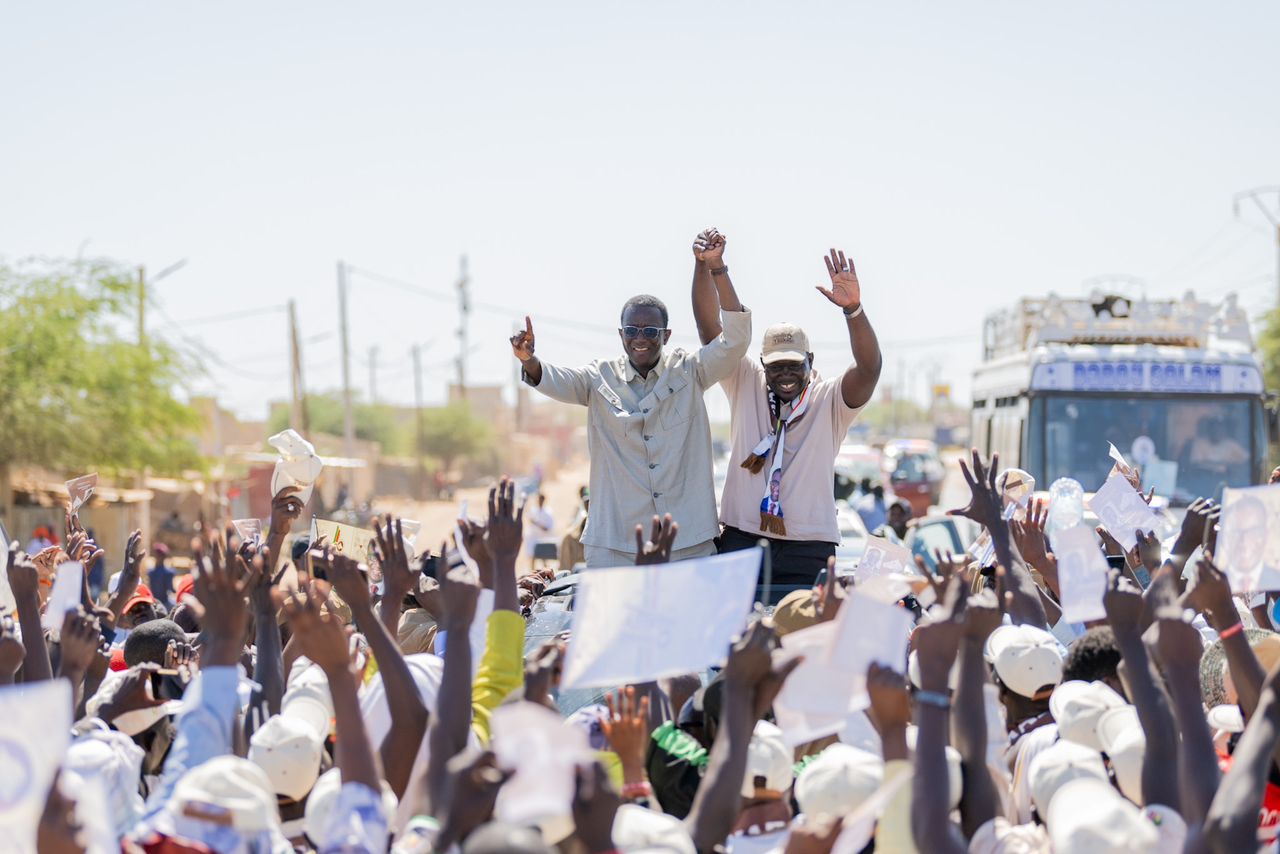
808 463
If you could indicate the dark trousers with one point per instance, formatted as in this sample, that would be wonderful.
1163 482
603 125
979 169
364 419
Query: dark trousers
794 562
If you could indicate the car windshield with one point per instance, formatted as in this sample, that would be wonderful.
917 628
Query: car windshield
1185 447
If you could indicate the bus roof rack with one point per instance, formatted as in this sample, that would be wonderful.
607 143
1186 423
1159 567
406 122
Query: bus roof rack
1113 319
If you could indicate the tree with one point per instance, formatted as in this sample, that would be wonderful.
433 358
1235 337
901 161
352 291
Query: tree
373 423
451 432
74 393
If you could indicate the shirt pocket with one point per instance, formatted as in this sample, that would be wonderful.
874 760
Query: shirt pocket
616 419
675 401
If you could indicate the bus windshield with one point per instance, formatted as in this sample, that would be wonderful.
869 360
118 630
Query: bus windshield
1187 447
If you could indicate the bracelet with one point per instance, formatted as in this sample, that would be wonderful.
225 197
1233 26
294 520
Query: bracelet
631 791
719 271
937 699
852 314
1235 629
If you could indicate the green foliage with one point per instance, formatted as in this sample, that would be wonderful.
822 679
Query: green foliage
324 415
75 393
452 432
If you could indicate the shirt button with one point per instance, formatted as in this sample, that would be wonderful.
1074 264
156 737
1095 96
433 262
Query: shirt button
656 494
647 438
645 411
653 465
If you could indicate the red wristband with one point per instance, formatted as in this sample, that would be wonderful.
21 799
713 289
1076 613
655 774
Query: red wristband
636 790
1231 630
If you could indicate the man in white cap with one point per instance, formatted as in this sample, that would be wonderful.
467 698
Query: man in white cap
787 422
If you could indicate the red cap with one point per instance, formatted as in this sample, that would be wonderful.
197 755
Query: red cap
117 659
185 585
142 594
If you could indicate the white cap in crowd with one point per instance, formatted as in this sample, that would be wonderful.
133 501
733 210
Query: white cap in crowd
769 757
1059 764
1122 738
636 828
955 769
130 723
113 758
838 781
324 796
1088 816
290 752
1077 707
230 791
1027 660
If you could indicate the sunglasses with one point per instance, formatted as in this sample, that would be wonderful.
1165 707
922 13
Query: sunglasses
649 332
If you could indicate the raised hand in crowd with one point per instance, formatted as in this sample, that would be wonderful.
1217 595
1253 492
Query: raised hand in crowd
221 591
627 730
472 782
133 693
845 290
1029 536
657 549
708 247
78 643
324 640
24 582
1211 597
503 536
398 579
890 709
408 712
752 679
286 508
130 577
831 595
542 671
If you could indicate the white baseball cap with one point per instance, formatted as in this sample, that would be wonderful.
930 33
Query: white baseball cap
289 751
838 781
1077 706
232 786
1027 660
1088 816
1059 764
1226 718
324 795
309 703
636 828
769 757
1122 738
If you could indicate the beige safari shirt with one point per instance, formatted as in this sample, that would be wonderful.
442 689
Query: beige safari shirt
649 439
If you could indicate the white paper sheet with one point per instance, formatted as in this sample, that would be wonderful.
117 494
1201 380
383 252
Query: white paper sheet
638 623
881 558
1122 511
249 530
356 543
1082 573
868 631
544 753
68 586
817 698
35 729
1249 539
860 824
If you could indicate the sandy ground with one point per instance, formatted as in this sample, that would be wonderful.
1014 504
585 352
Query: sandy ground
437 517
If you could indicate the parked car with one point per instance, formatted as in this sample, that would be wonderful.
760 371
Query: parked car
914 472
854 464
942 533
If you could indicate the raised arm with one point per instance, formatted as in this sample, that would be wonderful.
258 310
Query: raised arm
1232 824
1124 608
24 581
859 380
408 713
979 802
712 288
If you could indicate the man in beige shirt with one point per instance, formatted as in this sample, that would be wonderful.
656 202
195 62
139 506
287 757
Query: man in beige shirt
787 423
648 434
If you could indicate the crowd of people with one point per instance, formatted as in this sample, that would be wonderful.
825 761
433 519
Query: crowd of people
283 696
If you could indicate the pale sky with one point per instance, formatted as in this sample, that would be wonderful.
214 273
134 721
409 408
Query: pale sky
964 154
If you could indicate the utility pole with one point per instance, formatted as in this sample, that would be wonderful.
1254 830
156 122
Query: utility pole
420 444
348 416
464 314
373 374
1272 215
142 306
297 389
